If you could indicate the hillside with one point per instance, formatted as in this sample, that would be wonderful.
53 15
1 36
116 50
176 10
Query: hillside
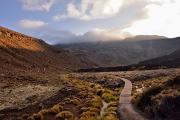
171 60
21 52
168 61
124 52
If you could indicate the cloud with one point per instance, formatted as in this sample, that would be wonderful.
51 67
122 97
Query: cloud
146 17
163 19
91 9
38 5
31 24
53 36
124 18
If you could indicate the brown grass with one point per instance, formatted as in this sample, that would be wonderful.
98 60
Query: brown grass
65 115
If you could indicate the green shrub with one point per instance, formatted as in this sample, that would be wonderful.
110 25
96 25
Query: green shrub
108 97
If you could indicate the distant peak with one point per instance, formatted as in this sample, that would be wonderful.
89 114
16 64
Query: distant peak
145 37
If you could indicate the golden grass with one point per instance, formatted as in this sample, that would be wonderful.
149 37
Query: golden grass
65 115
88 116
44 111
74 101
110 117
56 109
90 100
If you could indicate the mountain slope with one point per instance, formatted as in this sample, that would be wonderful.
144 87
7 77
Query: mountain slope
22 52
168 61
124 52
171 60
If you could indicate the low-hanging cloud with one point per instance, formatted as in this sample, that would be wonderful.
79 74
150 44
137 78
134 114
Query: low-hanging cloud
53 36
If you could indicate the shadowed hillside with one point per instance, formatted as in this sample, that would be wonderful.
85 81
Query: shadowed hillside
171 60
168 61
125 52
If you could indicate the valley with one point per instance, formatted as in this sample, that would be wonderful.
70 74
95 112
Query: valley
42 82
89 60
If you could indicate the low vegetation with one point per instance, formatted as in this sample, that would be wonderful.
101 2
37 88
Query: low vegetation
87 104
95 96
56 109
65 115
161 101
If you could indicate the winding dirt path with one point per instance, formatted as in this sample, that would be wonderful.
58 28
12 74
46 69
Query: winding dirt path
125 108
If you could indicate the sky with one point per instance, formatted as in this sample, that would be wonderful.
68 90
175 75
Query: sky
67 21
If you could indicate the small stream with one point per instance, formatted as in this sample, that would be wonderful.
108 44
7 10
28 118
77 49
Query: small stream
103 109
